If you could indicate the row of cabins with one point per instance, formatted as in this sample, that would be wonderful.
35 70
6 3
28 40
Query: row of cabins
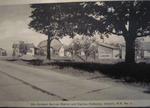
104 51
115 52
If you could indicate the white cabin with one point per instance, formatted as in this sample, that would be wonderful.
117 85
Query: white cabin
106 51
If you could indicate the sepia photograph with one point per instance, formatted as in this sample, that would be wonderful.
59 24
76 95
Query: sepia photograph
75 54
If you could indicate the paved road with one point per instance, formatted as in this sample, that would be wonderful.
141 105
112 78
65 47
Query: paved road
23 83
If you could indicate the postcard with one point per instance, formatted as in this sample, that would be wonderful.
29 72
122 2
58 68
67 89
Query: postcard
74 53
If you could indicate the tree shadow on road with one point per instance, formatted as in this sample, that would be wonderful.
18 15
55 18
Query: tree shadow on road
128 72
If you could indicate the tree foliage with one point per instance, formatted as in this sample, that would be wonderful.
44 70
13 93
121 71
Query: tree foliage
130 19
45 19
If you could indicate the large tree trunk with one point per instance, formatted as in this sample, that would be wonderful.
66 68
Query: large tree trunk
130 50
48 48
131 36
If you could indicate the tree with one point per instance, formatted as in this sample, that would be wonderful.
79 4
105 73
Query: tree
76 45
61 19
85 44
46 19
102 36
129 19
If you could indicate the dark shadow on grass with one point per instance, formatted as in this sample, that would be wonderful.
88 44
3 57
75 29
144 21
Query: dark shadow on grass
128 72
147 91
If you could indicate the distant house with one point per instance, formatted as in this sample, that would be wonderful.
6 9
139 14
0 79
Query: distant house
3 52
21 48
106 51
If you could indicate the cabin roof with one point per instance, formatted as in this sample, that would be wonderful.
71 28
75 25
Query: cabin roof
107 45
